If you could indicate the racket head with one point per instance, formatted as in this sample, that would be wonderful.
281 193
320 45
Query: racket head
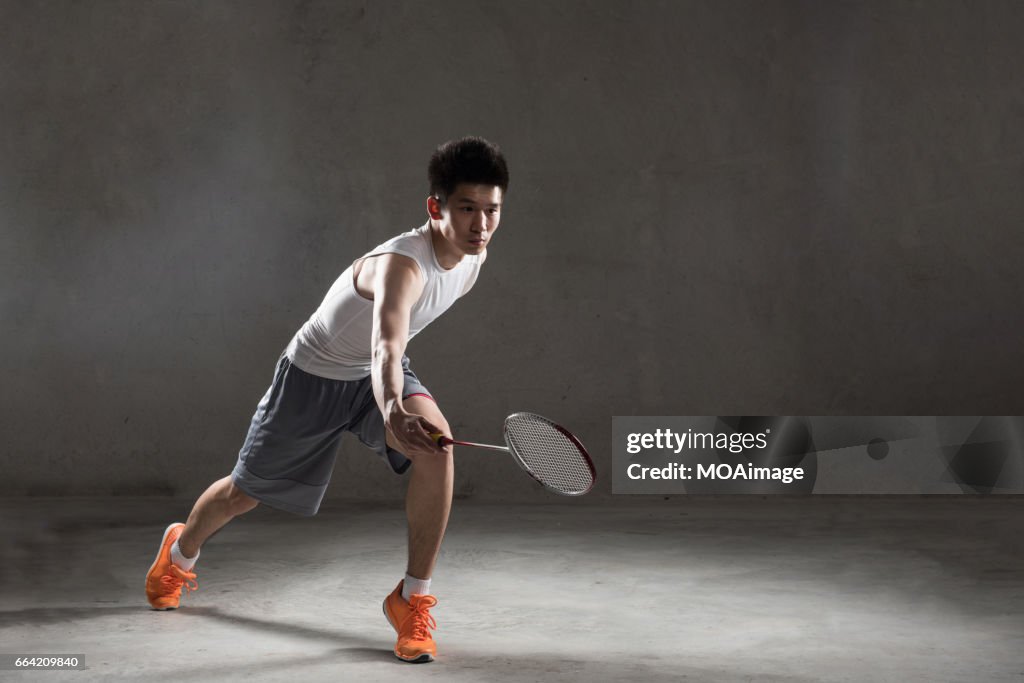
549 453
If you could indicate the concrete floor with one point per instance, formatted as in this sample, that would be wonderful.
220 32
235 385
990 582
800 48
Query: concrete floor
701 589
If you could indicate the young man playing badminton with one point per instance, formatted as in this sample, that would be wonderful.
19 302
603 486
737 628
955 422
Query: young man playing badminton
346 370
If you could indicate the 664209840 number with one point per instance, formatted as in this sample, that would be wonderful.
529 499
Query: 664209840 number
35 661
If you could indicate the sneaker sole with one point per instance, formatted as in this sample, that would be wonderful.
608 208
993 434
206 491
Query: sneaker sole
419 659
422 659
156 560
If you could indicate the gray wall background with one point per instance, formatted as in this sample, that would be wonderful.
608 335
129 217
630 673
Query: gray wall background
784 208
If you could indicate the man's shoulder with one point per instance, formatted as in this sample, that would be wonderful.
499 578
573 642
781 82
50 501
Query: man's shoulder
411 243
413 235
394 260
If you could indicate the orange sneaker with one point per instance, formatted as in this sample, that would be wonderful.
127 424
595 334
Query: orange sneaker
413 622
164 580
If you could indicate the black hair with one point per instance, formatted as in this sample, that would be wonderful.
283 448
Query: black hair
467 160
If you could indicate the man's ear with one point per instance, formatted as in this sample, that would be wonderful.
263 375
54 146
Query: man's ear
433 208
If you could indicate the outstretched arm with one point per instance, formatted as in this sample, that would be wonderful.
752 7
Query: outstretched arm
397 284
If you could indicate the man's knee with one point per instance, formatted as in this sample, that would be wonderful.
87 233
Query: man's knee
436 466
422 405
441 462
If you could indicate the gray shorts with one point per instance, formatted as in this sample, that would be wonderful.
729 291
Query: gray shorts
288 454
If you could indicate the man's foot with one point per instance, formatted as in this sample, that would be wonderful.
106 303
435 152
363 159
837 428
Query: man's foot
413 623
164 580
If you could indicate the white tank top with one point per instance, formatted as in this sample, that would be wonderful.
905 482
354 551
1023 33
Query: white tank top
335 341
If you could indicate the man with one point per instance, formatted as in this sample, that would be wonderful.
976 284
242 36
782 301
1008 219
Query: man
346 370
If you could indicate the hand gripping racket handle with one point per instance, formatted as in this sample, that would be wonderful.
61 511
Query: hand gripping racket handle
443 441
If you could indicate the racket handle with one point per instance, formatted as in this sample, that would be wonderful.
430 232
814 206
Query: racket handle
440 439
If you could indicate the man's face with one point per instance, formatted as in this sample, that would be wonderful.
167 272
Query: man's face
471 216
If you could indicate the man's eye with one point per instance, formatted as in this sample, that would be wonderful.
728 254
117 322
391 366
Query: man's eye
492 211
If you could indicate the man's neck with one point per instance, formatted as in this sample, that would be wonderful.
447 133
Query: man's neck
447 255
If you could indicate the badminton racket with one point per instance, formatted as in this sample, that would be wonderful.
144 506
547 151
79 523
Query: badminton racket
546 451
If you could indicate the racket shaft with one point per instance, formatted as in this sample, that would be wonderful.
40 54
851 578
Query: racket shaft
445 441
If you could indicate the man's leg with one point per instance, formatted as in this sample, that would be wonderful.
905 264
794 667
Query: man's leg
172 568
428 500
221 502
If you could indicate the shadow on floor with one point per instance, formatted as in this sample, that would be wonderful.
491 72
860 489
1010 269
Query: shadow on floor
357 650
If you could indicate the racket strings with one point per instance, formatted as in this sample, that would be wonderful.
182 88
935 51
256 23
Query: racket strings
548 454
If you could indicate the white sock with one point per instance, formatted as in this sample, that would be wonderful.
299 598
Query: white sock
183 562
413 586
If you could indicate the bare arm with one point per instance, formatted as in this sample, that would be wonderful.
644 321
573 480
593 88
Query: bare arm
397 284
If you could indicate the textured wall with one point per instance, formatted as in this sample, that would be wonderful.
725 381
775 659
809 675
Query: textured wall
792 208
